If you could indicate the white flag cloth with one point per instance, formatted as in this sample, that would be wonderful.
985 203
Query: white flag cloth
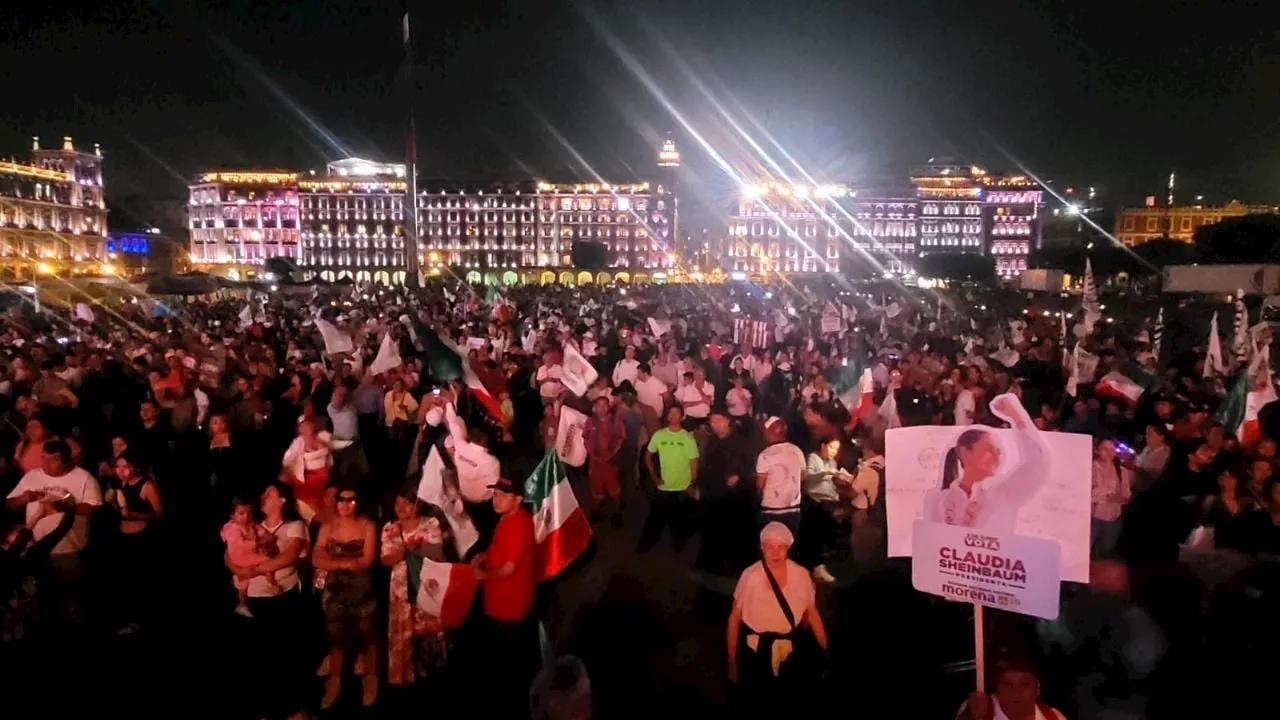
570 443
1073 378
246 316
889 409
1086 365
576 373
1240 345
1213 365
1092 309
388 358
431 489
335 341
659 327
84 312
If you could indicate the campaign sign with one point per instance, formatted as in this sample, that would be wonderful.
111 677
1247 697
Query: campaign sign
1006 572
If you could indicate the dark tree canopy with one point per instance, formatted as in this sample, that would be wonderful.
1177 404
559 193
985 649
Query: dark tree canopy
957 266
1245 239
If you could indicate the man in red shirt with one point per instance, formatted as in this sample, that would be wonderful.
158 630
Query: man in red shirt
506 574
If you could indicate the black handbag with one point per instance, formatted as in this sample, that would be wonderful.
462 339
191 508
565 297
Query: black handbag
807 661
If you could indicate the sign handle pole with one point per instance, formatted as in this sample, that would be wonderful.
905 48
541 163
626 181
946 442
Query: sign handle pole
979 649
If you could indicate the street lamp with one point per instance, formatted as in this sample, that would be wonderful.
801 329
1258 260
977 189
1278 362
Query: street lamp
42 268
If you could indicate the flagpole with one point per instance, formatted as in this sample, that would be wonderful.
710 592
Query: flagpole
411 168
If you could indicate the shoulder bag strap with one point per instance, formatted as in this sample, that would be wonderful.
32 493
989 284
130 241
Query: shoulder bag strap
782 600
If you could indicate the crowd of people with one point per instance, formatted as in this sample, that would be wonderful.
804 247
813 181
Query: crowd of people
275 447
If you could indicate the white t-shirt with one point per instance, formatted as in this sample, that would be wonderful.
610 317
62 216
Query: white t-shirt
965 407
697 403
783 467
760 609
286 577
548 379
625 370
650 391
738 401
81 485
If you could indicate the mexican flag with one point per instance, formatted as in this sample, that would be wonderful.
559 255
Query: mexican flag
445 591
1239 410
446 361
560 527
855 390
1128 384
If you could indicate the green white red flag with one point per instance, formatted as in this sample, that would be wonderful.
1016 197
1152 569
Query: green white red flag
560 528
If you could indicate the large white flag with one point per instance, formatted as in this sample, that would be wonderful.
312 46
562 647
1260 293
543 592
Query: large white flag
388 356
570 443
576 373
1213 365
335 341
431 490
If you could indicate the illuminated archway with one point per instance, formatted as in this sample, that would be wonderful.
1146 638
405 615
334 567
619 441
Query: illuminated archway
510 278
603 278
622 277
344 275
363 276
584 278
641 278
397 277
566 278
382 277
548 278
490 279
326 275
474 277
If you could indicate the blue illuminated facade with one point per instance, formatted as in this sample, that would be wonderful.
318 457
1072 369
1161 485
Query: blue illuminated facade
129 243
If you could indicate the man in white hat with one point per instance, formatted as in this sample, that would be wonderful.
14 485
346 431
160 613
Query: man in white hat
779 470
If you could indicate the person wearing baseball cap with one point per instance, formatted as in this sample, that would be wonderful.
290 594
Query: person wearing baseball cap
509 583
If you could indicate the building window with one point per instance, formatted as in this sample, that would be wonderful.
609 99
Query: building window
1128 222
1186 224
1152 224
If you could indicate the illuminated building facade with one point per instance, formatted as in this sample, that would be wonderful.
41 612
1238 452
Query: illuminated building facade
349 223
244 218
782 228
787 228
53 217
1135 226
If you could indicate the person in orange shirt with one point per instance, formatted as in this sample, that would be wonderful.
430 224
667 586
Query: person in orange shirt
507 575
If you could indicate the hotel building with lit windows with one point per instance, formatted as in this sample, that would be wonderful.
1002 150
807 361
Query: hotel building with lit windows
53 217
786 228
349 223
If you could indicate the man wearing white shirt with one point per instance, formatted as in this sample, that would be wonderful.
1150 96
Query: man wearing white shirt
626 367
697 396
57 480
650 391
779 474
965 404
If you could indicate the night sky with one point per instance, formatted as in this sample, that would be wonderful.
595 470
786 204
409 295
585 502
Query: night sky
1115 94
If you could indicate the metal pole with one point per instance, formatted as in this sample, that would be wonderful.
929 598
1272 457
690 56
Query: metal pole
35 288
411 170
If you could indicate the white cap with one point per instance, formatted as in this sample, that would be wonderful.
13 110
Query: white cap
777 532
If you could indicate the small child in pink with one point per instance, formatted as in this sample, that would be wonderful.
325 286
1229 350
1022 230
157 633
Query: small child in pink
247 544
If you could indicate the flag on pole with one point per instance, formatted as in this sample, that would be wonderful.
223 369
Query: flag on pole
751 332
1157 336
560 528
335 341
446 361
388 358
1238 412
1073 378
445 591
1089 305
1128 384
1240 333
1213 365
575 372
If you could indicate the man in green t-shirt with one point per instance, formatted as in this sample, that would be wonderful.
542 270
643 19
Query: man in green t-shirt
675 476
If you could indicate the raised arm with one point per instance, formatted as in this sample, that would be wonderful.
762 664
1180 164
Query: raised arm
1022 481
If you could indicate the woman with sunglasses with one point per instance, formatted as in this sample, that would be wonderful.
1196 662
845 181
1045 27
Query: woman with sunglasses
344 551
